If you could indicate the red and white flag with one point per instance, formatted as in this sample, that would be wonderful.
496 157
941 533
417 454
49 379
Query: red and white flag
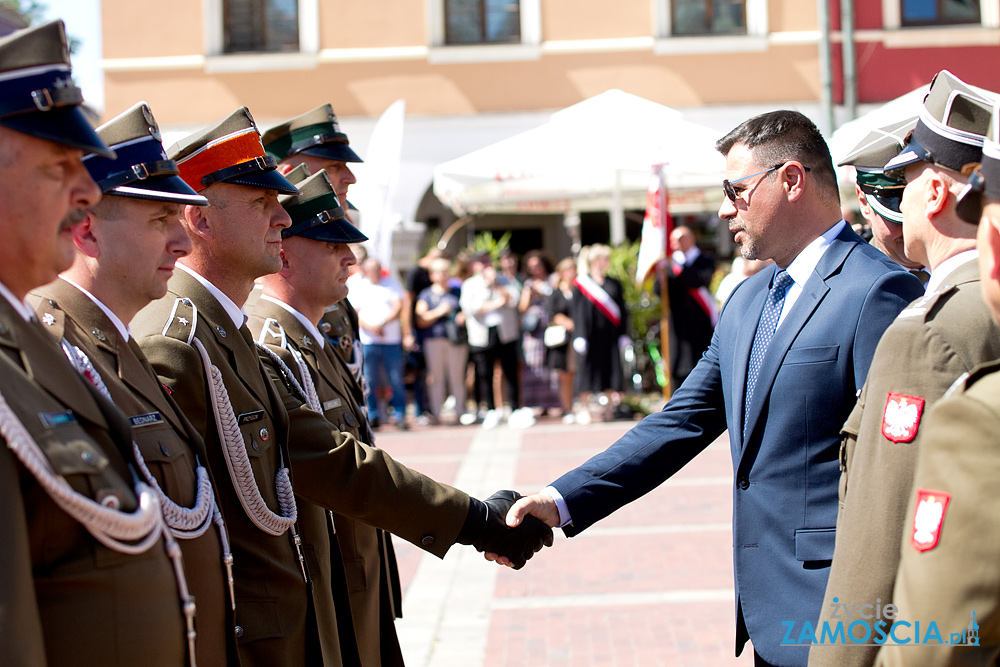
656 225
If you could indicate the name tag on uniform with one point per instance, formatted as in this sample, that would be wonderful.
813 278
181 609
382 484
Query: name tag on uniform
146 420
51 419
250 417
331 404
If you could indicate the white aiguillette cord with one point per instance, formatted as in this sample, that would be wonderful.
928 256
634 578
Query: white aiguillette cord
81 362
119 531
240 471
306 389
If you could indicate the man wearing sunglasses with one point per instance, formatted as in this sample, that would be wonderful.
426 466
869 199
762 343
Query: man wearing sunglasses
789 354
879 195
937 338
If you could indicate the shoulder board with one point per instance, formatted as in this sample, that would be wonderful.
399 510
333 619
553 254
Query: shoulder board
272 333
979 372
183 320
920 307
52 317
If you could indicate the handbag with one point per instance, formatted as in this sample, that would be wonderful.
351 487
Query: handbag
555 335
455 332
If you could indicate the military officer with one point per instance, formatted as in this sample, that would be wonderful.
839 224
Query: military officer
949 571
86 579
878 195
125 252
256 428
310 142
316 262
932 342
315 139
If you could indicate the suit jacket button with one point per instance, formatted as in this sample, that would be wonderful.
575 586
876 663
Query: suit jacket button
426 541
743 483
239 631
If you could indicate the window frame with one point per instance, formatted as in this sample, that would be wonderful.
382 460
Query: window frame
756 38
892 18
529 47
217 61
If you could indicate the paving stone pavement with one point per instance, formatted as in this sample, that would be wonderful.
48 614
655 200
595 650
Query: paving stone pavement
650 585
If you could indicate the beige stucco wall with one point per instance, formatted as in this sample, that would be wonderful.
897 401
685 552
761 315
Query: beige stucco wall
371 23
144 29
550 81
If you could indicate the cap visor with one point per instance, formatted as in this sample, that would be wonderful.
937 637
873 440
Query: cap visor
887 208
969 204
335 231
268 180
168 188
912 153
67 126
333 151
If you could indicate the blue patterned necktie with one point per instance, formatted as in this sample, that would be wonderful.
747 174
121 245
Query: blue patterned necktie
765 331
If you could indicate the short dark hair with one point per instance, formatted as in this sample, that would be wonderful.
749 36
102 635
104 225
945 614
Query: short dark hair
776 137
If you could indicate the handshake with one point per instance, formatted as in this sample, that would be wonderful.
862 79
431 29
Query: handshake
486 528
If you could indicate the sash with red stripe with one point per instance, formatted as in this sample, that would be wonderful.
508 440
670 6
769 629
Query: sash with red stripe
703 298
601 299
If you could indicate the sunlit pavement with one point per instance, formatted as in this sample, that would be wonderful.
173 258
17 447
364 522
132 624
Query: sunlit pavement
650 585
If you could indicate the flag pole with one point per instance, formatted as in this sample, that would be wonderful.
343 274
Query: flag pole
664 293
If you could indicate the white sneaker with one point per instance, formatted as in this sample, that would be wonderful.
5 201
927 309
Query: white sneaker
467 419
492 419
521 418
569 418
583 417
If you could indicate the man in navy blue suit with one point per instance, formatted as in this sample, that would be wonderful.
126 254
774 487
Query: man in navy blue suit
790 352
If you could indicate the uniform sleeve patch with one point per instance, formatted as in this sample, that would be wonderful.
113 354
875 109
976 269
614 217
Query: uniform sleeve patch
901 418
928 518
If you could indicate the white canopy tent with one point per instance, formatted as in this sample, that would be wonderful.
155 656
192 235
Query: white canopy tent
592 156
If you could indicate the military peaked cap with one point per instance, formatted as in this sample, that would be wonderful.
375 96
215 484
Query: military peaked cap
316 213
315 133
986 180
141 168
950 130
37 93
229 151
884 193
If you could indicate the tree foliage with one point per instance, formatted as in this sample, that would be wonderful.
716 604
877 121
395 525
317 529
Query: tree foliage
31 11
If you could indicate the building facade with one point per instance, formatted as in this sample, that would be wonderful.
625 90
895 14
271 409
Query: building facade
475 71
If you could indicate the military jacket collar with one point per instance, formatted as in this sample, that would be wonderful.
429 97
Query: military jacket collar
94 331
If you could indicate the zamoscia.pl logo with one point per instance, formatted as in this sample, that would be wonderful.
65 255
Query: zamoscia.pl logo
875 625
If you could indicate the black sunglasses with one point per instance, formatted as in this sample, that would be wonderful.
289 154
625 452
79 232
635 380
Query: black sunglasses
727 185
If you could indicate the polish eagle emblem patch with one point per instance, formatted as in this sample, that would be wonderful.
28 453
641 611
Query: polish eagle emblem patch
901 418
928 518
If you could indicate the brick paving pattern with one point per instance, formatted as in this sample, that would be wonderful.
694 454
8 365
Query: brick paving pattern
650 585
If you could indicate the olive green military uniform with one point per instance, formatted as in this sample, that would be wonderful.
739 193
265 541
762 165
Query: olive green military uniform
66 599
168 443
276 620
329 468
931 343
956 568
339 325
361 545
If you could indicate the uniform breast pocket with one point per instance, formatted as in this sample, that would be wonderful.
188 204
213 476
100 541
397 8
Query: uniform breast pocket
342 419
168 459
257 431
811 355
